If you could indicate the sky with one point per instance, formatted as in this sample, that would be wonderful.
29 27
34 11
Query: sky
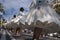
11 7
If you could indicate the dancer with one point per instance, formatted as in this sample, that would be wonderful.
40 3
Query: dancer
41 10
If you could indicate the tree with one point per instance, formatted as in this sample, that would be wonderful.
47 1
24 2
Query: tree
2 22
57 6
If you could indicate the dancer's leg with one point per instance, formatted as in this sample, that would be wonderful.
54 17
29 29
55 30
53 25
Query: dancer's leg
37 33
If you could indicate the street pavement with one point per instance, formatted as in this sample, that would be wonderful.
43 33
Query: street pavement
5 35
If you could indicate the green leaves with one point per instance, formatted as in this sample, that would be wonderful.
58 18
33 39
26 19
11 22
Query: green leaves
2 22
57 8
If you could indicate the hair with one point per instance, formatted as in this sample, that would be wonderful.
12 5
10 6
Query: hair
14 16
21 9
38 7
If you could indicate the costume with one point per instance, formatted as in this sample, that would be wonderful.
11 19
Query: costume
42 11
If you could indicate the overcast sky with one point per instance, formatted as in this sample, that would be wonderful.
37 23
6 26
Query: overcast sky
11 7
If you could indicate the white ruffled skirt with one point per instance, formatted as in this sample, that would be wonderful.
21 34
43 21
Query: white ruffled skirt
45 13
